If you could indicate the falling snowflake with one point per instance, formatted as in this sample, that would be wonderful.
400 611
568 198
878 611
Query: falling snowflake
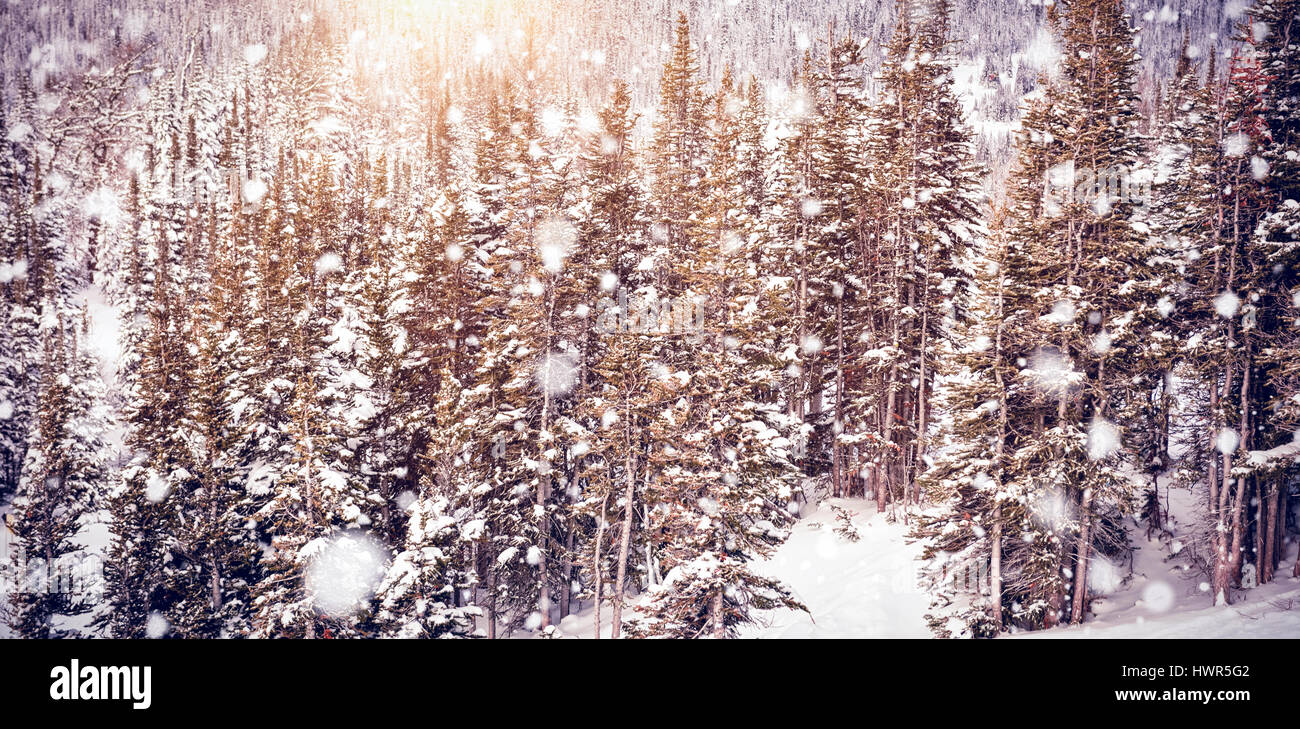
1103 439
15 271
405 499
811 345
1104 577
157 627
553 121
1050 509
1063 312
608 418
1165 306
156 488
1258 168
344 572
102 204
254 191
1227 441
1236 145
1158 597
558 373
19 132
1226 304
329 263
555 239
1051 371
1101 343
588 122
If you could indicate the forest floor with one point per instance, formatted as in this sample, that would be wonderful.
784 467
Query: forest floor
863 589
1165 597
867 589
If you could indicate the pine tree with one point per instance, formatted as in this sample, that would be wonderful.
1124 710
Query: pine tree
1279 304
62 481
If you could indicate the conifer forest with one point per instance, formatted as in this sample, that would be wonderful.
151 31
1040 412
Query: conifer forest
649 318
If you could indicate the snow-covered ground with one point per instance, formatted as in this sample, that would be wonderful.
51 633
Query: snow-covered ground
868 588
862 589
1161 603
1164 597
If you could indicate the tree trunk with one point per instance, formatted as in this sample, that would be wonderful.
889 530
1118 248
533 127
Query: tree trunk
1267 524
887 458
716 616
566 570
837 454
596 571
1279 540
625 536
1081 564
995 578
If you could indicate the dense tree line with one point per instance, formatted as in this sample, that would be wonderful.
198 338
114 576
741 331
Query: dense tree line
535 349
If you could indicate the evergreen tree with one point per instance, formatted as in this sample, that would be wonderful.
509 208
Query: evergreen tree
63 479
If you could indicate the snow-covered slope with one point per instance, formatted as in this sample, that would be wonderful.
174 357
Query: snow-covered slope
1160 602
867 589
1160 595
863 589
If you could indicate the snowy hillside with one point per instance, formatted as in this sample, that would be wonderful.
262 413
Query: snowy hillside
870 588
853 589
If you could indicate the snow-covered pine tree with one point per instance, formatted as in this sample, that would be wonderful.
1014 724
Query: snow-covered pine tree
18 339
1083 281
927 187
718 475
604 279
1226 306
1278 163
676 157
834 297
982 518
63 479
